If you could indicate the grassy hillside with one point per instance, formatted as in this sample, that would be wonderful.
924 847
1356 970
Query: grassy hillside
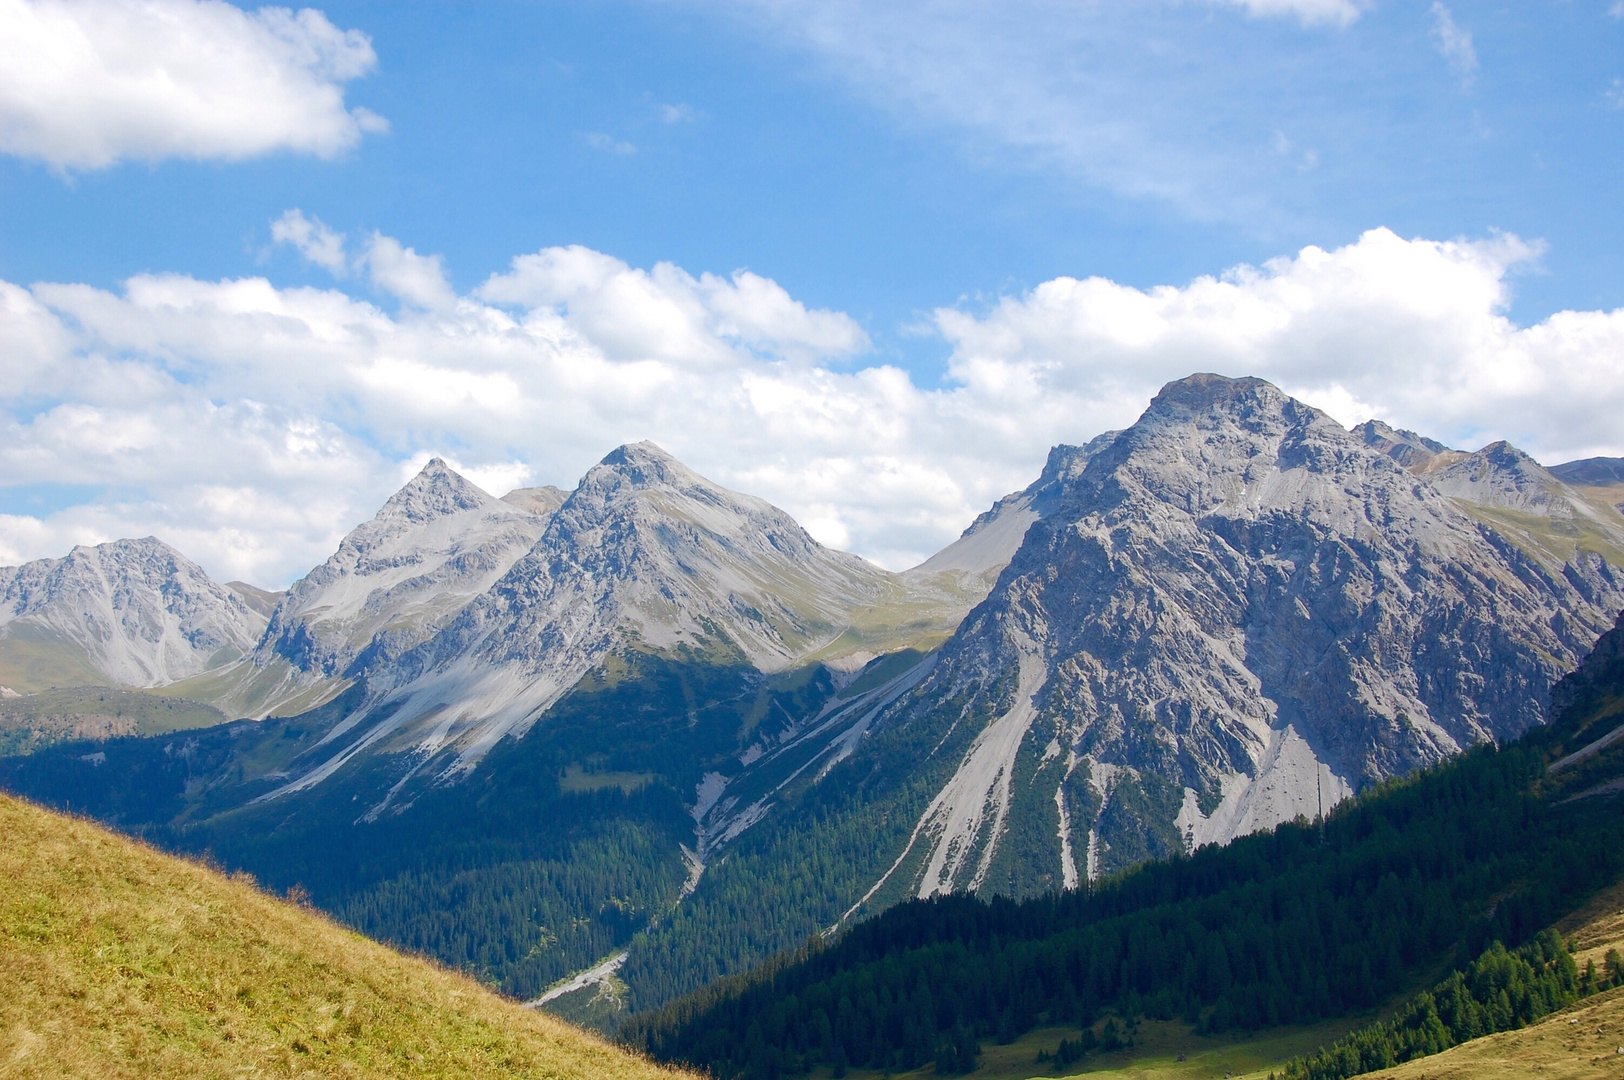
1579 1043
35 721
119 961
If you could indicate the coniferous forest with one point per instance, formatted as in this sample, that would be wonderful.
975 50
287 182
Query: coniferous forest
1454 865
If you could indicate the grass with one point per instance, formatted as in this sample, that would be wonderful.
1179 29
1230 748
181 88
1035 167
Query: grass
36 721
119 961
1162 1050
35 658
1579 1043
575 780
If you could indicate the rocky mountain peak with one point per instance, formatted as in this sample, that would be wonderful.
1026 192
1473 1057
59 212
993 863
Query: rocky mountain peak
1205 392
1240 606
1405 447
436 544
436 491
132 612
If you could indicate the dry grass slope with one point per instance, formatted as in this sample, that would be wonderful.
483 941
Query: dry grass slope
119 961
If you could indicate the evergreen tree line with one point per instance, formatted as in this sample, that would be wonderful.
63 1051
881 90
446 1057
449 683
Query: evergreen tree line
1499 991
1290 927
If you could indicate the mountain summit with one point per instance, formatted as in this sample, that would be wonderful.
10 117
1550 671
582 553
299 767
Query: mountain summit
645 554
436 544
128 612
1239 613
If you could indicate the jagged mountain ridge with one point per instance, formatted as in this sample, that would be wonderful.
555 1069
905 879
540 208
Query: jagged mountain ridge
648 560
1545 514
436 544
644 554
1239 610
129 612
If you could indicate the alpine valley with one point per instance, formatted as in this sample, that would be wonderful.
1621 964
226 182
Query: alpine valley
604 747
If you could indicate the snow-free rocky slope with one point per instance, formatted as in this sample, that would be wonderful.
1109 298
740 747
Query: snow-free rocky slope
647 555
125 613
439 542
1239 613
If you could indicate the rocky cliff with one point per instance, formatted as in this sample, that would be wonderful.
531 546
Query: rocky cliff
1240 612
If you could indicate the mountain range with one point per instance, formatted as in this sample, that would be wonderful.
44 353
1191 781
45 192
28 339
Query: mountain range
651 730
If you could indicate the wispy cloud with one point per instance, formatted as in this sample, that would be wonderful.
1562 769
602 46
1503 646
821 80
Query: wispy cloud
1151 101
1454 43
608 143
312 238
91 82
677 114
1309 12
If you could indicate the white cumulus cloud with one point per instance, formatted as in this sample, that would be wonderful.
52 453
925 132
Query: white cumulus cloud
251 425
86 83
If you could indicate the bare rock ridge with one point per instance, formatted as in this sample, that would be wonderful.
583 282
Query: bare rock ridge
129 612
435 545
1238 613
644 554
992 539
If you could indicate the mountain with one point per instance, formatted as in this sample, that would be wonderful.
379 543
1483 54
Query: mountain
125 613
438 543
121 961
1312 921
1596 471
1555 519
644 555
1231 613
1239 610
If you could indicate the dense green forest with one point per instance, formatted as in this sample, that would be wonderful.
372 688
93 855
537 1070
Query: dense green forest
1294 926
1499 991
561 848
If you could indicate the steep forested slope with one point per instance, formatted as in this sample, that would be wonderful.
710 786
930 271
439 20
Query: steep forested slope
1302 923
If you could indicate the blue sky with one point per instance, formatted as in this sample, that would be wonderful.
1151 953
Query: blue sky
918 170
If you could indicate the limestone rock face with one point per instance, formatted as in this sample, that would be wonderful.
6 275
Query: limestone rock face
125 613
1238 612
